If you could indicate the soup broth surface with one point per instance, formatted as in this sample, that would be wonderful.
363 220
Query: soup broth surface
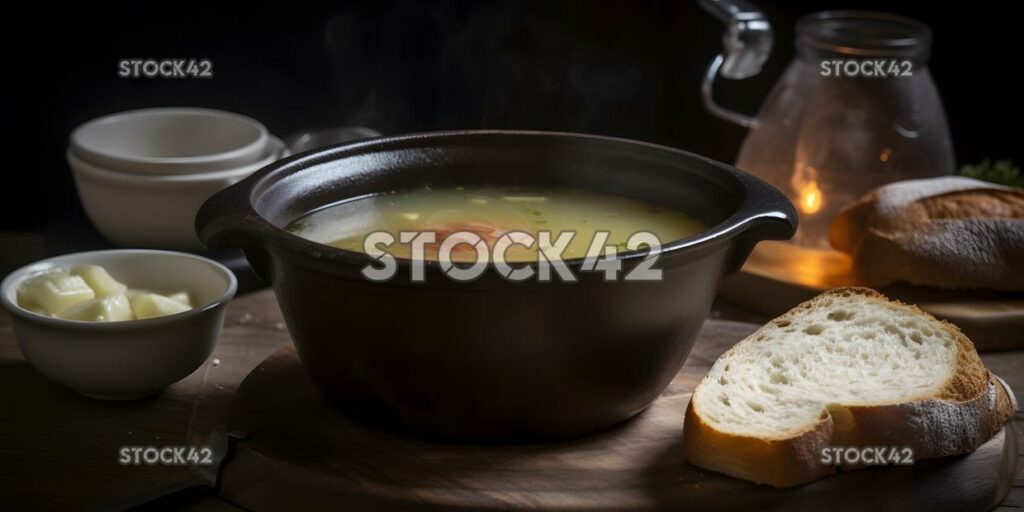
490 212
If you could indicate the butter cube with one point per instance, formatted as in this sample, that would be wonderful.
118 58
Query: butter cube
151 305
29 303
99 280
100 309
182 297
54 291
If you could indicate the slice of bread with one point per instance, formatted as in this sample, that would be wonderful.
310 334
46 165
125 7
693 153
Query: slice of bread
847 368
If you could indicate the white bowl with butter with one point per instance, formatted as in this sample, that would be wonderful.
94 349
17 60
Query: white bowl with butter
118 324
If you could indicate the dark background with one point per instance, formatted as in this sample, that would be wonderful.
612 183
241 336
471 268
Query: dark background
630 69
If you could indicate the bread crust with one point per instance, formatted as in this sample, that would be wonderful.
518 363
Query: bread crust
967 238
970 408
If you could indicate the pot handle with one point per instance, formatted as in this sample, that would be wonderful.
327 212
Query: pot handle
227 220
767 215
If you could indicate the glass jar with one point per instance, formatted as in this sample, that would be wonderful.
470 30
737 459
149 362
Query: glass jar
855 110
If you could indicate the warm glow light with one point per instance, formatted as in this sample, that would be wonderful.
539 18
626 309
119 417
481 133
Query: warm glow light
810 198
884 157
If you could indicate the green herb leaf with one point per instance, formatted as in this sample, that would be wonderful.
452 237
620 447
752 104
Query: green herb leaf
1002 172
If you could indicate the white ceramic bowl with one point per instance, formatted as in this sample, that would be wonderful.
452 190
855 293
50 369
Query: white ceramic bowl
170 141
153 211
134 358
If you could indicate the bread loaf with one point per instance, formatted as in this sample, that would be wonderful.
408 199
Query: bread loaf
950 232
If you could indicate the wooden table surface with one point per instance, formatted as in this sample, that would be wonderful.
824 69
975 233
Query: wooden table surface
59 450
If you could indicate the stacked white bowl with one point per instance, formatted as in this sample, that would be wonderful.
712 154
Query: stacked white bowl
142 175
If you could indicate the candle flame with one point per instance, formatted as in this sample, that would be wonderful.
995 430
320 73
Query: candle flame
810 198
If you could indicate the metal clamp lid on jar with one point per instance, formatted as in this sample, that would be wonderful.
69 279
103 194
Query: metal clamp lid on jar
748 43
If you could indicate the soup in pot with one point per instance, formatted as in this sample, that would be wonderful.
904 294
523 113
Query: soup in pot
490 213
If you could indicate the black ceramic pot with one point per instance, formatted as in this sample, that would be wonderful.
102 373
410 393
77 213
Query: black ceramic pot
493 360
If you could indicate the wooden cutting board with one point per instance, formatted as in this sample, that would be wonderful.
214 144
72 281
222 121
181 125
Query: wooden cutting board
296 452
778 276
